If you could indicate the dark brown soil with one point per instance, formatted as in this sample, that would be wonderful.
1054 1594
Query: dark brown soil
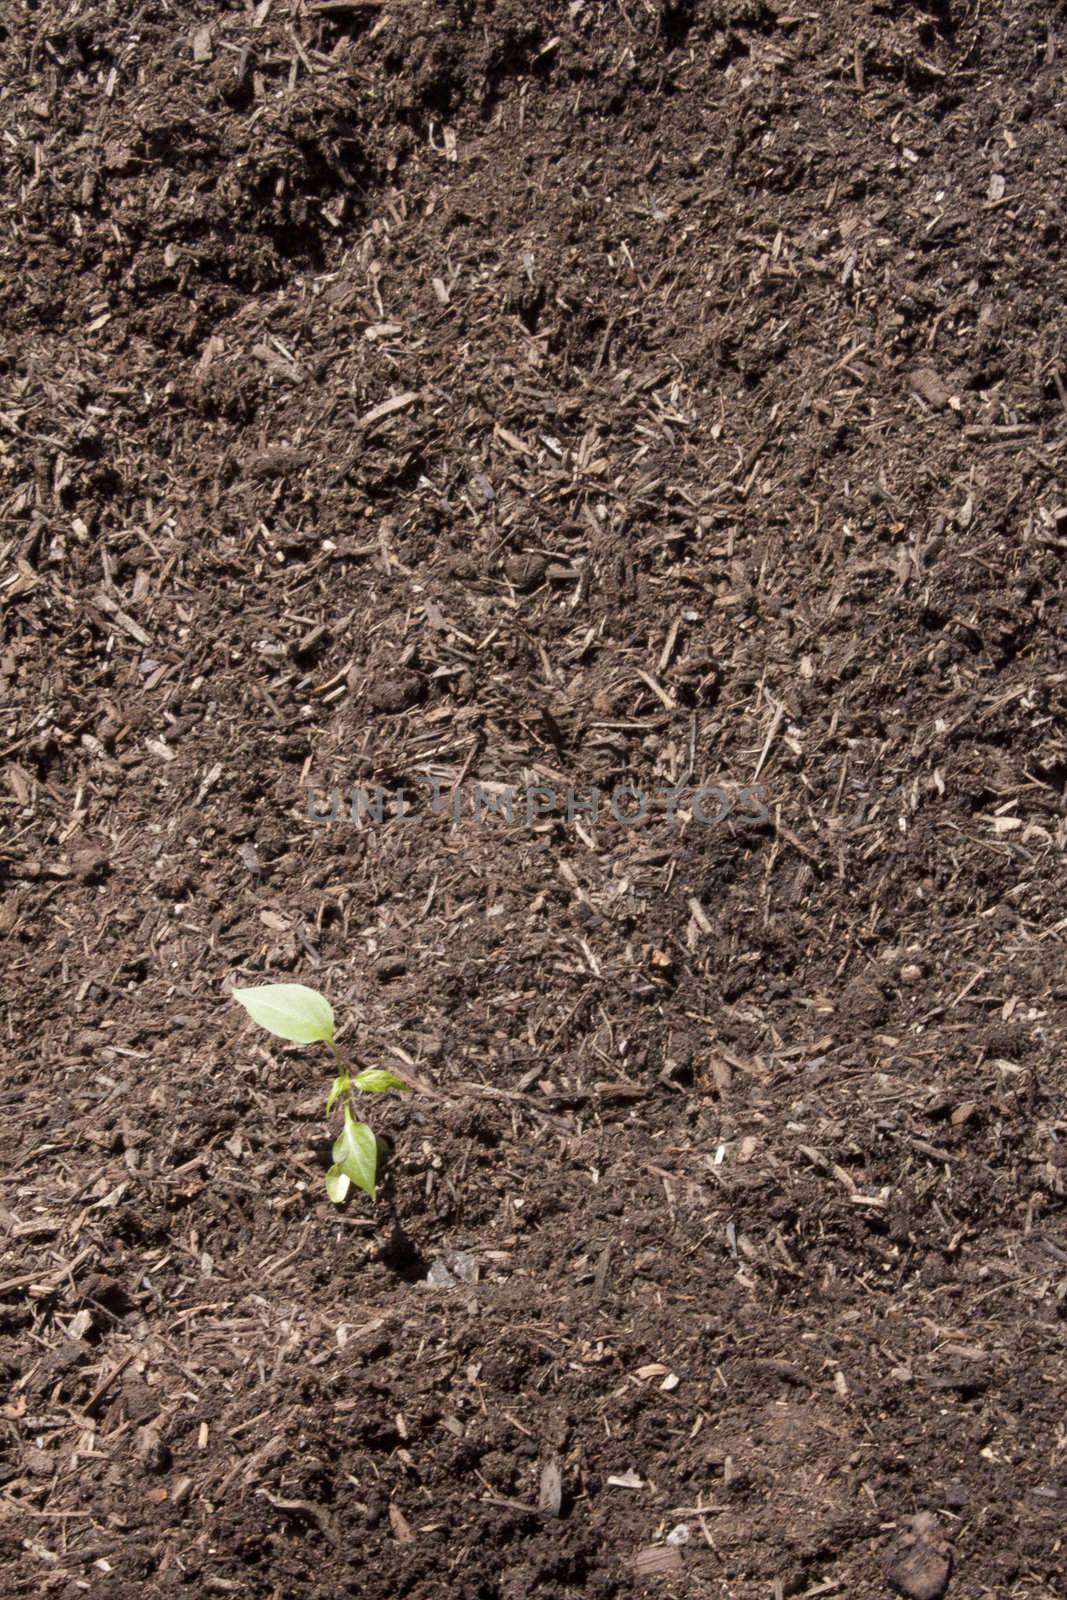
566 395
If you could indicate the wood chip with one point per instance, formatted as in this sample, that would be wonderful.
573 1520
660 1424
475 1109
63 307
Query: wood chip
626 1480
388 408
550 1494
400 1525
126 623
655 1559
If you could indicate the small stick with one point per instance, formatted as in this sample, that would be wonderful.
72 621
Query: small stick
105 1383
765 752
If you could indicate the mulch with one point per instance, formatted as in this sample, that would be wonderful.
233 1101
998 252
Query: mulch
603 400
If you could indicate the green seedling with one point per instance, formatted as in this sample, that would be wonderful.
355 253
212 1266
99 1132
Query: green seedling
303 1016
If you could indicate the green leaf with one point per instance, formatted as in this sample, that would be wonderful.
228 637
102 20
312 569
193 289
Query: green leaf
340 1085
290 1011
375 1080
337 1185
355 1152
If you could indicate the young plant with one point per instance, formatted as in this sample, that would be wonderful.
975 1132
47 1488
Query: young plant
303 1016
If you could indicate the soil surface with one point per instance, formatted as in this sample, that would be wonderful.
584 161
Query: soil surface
666 400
